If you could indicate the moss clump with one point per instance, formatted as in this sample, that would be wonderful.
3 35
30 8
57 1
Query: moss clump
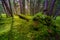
45 25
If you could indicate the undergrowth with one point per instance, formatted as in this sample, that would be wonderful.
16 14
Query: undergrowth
39 27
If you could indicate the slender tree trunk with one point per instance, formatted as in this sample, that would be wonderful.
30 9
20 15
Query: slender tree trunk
14 7
52 7
37 7
22 6
34 6
31 7
46 7
6 7
10 8
20 1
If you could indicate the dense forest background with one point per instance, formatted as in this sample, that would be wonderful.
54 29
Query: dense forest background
29 7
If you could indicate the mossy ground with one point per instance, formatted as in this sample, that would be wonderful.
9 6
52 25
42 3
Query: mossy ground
20 29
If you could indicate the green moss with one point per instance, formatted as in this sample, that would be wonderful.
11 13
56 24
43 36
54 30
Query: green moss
35 29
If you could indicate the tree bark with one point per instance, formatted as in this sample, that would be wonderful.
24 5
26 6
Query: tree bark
6 7
52 7
22 6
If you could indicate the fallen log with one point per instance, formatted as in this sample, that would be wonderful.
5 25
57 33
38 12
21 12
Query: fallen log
23 17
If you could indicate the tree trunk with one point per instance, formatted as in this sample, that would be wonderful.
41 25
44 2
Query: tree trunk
52 7
45 7
6 7
22 6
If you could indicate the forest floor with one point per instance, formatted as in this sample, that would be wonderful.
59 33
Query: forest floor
19 29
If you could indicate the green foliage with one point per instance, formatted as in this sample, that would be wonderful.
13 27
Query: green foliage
44 19
38 28
5 25
58 23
